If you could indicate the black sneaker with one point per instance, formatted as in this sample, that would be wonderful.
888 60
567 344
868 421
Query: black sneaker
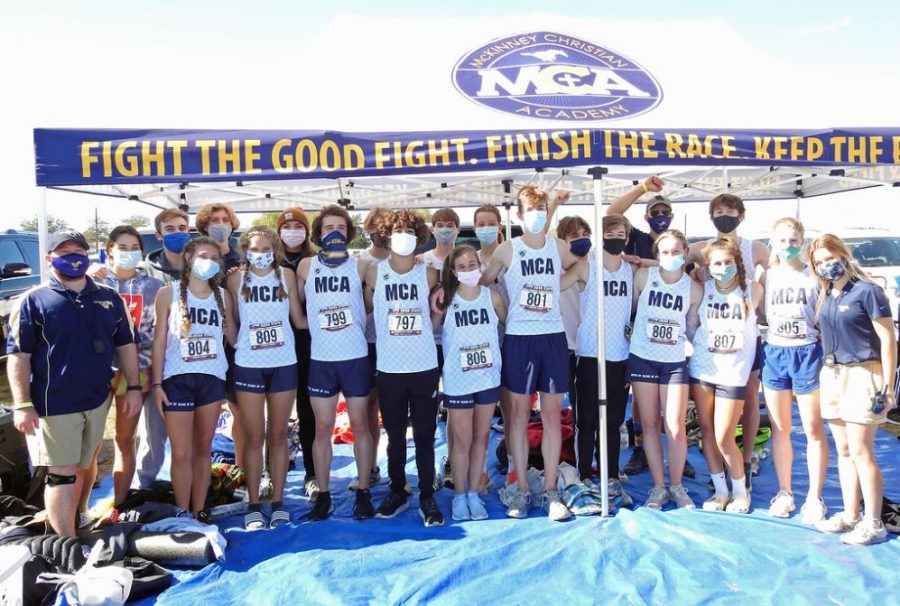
362 509
636 463
429 512
322 509
689 470
747 474
392 504
893 416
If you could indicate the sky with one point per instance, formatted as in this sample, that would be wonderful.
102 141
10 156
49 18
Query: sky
320 65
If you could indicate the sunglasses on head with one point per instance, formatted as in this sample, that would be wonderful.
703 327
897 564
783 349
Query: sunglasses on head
664 212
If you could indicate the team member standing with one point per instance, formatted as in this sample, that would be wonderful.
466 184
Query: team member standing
397 290
265 372
856 383
577 233
791 367
193 316
331 283
472 314
724 348
666 301
124 252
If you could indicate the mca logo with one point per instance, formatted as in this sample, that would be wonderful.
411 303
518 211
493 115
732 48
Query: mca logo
107 305
318 270
553 76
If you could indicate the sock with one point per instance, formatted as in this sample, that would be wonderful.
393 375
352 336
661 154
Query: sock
277 504
472 494
738 488
719 482
254 507
638 430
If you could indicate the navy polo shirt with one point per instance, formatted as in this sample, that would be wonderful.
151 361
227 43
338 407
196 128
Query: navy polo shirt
72 338
846 322
640 243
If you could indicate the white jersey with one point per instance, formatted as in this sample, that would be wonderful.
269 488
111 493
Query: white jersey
499 287
617 287
791 306
337 313
202 350
431 260
532 283
405 342
725 342
471 345
659 324
570 309
265 338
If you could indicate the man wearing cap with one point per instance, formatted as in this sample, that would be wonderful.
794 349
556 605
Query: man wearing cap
63 336
658 215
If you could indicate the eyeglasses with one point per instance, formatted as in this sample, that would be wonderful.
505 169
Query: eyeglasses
665 213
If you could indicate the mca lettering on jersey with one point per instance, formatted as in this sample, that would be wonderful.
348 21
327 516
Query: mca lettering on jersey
471 317
666 300
615 288
725 311
206 317
783 296
548 75
531 267
263 294
401 292
332 284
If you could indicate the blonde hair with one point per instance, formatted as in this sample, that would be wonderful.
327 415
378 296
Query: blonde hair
244 243
192 246
794 224
205 214
836 247
670 233
730 246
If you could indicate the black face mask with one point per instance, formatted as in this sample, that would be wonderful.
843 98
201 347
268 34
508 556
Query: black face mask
726 223
614 246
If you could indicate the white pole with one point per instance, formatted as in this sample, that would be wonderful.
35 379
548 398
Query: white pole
599 212
42 232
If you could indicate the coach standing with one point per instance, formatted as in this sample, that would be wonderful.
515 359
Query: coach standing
62 340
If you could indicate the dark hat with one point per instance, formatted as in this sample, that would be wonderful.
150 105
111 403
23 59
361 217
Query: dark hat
657 199
59 238
294 213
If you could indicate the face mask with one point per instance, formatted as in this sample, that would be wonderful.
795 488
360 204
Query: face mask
176 241
831 271
127 259
219 233
534 221
726 223
293 238
260 260
614 246
204 268
672 263
445 235
580 246
469 278
334 249
659 224
403 244
724 274
487 235
73 265
788 254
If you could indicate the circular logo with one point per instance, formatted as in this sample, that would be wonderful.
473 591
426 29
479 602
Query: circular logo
552 76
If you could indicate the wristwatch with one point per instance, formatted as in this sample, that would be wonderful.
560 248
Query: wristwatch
133 388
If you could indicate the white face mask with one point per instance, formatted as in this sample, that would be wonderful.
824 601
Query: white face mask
204 268
671 263
403 244
127 259
534 221
445 235
260 260
469 278
293 238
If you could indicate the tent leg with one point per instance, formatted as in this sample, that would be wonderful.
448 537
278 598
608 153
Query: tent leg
599 212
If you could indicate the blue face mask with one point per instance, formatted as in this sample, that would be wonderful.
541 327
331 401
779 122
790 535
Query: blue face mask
580 247
832 270
672 263
487 235
73 265
334 249
176 241
724 273
204 269
660 223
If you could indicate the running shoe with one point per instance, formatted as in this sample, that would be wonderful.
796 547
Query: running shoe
362 508
476 507
322 508
444 478
782 505
657 497
429 512
553 505
836 524
311 487
717 502
893 416
617 492
681 497
254 520
519 504
459 508
393 503
867 532
279 517
637 462
689 470
84 521
739 504
813 510
374 478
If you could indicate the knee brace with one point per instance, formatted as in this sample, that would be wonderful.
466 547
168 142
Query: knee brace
55 479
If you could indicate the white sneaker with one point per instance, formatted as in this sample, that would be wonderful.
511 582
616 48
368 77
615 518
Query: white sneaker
738 504
657 497
813 510
838 523
717 502
681 497
459 509
519 504
476 507
782 505
553 505
867 532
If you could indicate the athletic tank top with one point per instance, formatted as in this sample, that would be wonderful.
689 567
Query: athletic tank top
405 339
337 314
499 287
791 306
725 342
471 345
616 312
265 338
532 283
659 325
202 349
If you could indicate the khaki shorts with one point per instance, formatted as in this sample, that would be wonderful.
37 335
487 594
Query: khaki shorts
68 439
119 384
846 392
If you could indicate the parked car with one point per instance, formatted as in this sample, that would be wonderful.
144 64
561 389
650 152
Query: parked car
20 269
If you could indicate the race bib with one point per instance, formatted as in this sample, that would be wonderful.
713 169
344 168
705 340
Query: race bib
724 341
266 335
335 318
405 322
199 347
475 357
790 328
663 331
536 298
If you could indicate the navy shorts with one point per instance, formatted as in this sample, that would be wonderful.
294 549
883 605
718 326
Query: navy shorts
190 390
535 363
487 396
724 391
353 378
758 358
661 373
792 368
265 380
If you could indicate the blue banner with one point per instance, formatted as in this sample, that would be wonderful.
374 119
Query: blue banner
66 157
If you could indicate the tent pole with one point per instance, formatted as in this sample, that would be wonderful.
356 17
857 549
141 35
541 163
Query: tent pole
599 211
42 232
